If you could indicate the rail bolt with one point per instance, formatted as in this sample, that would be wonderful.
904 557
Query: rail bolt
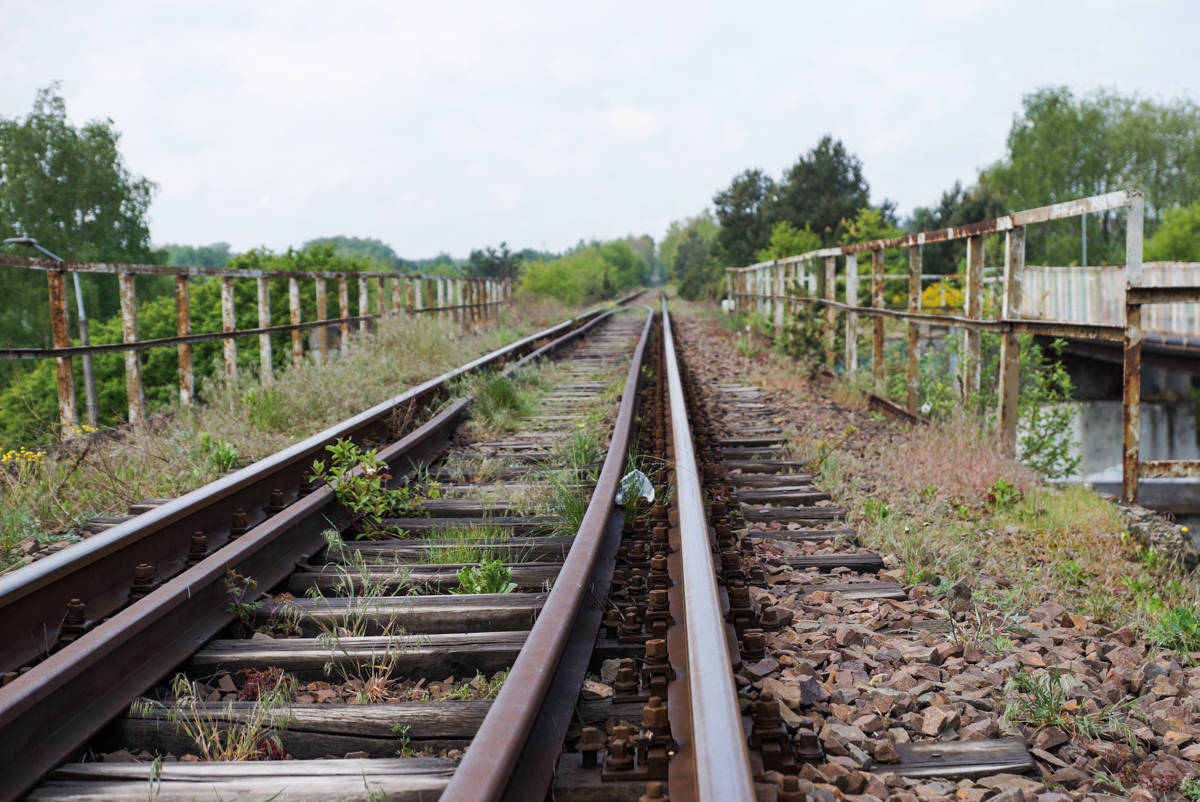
771 620
239 524
620 757
143 582
591 743
654 793
754 645
808 749
627 680
275 505
197 551
74 625
791 791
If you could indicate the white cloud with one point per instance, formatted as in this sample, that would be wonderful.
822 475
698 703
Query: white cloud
447 127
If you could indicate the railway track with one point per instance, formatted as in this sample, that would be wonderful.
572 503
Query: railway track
697 644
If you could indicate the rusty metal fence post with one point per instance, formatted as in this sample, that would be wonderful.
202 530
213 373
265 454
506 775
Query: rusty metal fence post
397 303
830 312
1010 342
229 324
65 373
877 302
265 360
1131 406
364 304
380 297
296 316
974 311
183 328
322 315
129 335
851 317
913 382
344 312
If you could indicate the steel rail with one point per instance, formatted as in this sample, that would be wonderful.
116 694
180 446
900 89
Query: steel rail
99 571
487 768
63 701
722 759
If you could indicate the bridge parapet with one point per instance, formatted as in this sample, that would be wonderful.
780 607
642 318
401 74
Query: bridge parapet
1018 295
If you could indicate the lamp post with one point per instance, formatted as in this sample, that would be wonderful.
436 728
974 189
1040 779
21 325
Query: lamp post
89 377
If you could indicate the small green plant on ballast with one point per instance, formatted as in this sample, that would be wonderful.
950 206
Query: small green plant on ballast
222 455
246 735
1178 630
498 401
359 479
490 576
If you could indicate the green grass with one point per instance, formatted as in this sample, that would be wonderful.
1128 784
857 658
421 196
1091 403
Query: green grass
456 545
499 402
568 500
243 422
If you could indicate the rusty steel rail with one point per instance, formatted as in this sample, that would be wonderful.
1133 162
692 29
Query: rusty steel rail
721 758
488 770
61 702
100 571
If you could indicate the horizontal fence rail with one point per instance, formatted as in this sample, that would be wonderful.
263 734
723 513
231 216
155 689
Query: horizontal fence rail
1103 303
473 303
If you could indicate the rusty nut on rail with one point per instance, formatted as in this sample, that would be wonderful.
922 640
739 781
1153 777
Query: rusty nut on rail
591 744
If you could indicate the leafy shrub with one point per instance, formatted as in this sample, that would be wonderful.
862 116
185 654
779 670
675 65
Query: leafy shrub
491 576
359 479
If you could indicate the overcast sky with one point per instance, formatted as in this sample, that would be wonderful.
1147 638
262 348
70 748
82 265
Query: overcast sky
451 126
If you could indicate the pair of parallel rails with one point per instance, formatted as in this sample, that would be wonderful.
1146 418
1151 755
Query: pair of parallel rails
52 704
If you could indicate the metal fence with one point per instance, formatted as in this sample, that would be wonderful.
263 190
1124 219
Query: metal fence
472 302
772 289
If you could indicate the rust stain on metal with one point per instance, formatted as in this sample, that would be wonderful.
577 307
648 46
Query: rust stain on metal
129 334
1010 343
344 311
65 374
830 312
974 311
914 329
1131 413
1168 469
397 303
364 302
264 322
322 331
229 324
183 328
296 312
878 323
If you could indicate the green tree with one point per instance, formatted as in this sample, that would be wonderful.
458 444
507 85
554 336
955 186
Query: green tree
787 240
351 247
215 255
957 207
823 188
68 188
493 263
745 227
821 192
1063 147
1178 238
644 247
704 225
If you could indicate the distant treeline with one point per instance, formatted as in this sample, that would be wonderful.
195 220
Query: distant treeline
1060 147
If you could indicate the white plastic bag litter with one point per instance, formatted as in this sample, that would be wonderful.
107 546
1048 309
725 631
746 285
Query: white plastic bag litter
634 484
